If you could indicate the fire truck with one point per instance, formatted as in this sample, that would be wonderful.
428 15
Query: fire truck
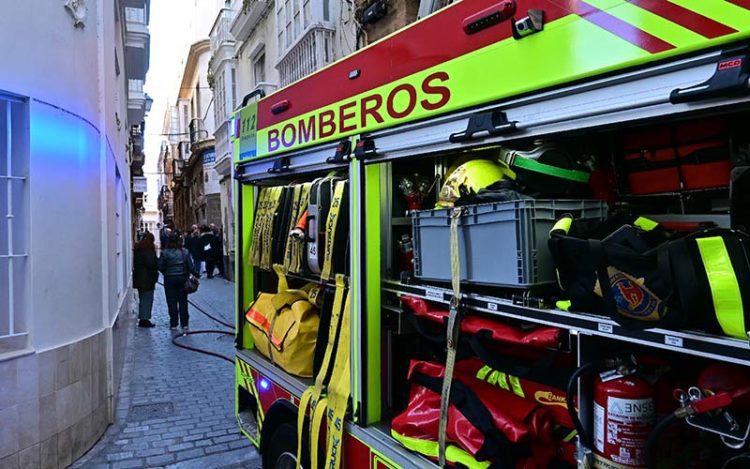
336 177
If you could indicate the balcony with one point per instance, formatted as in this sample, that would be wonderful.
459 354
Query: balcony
314 50
136 101
198 132
220 34
137 42
247 18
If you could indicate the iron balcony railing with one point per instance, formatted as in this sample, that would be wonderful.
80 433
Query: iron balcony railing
311 52
220 34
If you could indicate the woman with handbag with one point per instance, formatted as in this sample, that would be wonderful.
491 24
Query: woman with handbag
145 275
179 277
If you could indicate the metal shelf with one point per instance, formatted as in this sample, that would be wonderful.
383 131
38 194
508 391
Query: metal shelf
688 342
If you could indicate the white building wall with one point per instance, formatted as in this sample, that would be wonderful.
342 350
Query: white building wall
263 39
78 238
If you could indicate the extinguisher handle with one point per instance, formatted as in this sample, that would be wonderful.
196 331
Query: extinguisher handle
709 403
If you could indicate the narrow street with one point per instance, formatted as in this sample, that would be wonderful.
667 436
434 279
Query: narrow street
175 406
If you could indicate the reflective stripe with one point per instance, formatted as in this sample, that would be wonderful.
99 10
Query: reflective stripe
542 168
733 15
258 320
645 224
482 373
564 305
562 224
515 383
725 290
429 448
659 27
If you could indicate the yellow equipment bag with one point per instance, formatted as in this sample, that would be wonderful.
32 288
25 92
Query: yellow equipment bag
285 327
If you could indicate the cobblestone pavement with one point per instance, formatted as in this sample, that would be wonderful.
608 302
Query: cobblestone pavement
175 406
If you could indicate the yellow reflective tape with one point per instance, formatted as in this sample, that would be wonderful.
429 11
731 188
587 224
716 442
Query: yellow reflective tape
563 225
482 373
515 383
564 305
719 10
645 224
725 290
429 448
653 24
569 437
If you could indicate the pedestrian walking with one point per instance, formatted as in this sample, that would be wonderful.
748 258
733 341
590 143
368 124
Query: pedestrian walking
212 252
145 275
193 245
176 265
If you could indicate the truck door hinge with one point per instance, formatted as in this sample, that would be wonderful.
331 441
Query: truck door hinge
533 23
343 153
731 78
365 149
280 165
485 124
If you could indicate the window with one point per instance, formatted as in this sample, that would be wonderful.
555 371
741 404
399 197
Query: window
259 67
117 64
14 219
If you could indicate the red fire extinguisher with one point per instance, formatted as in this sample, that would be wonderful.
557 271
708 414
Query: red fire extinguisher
624 414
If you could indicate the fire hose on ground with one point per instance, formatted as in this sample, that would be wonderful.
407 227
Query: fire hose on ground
176 337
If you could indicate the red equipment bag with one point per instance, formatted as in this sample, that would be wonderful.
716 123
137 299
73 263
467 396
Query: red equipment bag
686 156
487 422
489 328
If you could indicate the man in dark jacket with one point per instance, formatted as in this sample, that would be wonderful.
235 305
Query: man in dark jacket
211 247
193 245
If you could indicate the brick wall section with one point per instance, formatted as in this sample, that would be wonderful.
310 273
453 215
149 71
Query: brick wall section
400 13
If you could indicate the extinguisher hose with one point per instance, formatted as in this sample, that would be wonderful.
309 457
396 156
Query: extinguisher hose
653 438
570 394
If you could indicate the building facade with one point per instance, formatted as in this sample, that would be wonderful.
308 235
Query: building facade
65 285
195 183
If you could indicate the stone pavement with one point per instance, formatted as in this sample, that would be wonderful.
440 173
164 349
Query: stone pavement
175 406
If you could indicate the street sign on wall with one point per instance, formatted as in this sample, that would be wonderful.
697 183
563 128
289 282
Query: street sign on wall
209 157
140 185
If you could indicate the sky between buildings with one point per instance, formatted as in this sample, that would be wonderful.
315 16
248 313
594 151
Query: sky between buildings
174 26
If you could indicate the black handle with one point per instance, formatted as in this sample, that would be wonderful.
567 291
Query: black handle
251 95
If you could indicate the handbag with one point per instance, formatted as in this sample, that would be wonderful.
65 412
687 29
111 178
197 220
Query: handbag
192 283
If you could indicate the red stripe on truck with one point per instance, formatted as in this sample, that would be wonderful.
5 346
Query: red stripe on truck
689 19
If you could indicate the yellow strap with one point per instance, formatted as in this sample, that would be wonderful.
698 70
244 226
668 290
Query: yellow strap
331 223
256 236
563 224
645 224
283 285
315 423
292 222
273 205
725 289
316 390
338 393
304 403
453 332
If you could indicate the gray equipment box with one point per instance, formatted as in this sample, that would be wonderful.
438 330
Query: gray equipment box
503 243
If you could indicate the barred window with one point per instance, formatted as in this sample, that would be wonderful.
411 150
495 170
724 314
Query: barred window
14 221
